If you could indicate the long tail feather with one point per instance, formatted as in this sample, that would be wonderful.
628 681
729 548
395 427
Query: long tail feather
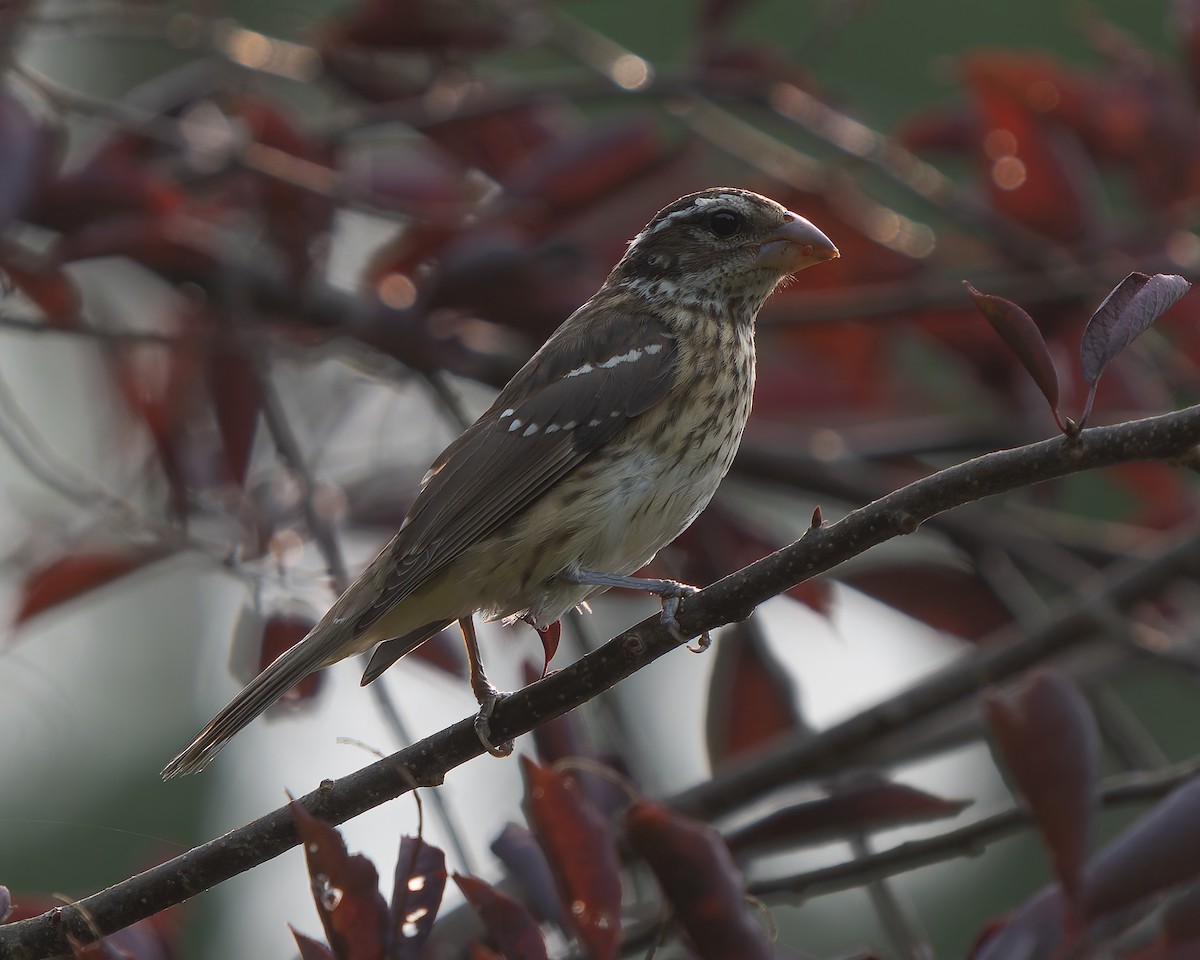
286 670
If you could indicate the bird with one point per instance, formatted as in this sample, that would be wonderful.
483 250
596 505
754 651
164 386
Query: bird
600 451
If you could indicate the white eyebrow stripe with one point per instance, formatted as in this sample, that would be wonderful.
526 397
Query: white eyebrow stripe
732 199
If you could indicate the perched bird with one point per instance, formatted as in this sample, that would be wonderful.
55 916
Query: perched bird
601 450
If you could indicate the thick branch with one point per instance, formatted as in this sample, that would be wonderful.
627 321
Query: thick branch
730 599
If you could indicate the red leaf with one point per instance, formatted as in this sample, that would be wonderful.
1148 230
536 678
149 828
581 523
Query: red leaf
345 890
581 854
944 597
507 921
237 399
844 810
78 572
281 632
1033 169
416 896
526 863
311 949
294 180
52 290
1134 304
1161 849
434 25
105 189
700 880
550 638
573 173
1051 746
178 245
1022 335
751 698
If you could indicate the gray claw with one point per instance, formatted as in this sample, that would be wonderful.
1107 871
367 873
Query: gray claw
483 729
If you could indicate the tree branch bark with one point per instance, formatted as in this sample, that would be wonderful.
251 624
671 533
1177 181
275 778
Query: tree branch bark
733 598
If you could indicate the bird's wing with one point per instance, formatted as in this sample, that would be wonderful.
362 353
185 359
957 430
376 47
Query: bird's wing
584 385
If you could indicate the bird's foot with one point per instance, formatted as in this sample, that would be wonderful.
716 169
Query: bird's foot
672 596
670 592
487 705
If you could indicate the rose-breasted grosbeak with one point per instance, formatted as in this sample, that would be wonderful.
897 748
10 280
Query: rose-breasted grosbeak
600 451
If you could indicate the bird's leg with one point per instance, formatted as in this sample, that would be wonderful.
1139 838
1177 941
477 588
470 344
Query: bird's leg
485 693
669 592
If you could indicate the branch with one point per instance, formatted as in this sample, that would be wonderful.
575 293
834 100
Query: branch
967 840
733 598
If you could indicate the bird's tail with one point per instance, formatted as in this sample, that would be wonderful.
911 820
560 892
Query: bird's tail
286 670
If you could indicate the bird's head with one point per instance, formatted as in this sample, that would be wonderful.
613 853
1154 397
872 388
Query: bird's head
722 248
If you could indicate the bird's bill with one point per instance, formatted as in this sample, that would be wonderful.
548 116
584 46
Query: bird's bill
795 245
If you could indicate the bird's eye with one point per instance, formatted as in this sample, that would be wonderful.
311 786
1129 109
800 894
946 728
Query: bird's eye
724 223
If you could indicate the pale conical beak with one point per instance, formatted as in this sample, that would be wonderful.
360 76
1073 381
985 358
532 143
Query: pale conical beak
795 245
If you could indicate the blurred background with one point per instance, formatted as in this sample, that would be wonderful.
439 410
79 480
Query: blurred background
262 260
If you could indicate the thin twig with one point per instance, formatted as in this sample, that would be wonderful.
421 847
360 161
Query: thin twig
966 841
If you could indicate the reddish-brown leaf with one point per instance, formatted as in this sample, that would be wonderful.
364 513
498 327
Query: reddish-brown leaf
105 189
1032 168
573 173
847 809
52 290
582 855
944 597
345 889
416 896
434 25
178 245
1160 850
477 951
311 949
751 698
84 569
237 397
508 923
700 880
1051 747
281 632
144 940
1023 337
550 638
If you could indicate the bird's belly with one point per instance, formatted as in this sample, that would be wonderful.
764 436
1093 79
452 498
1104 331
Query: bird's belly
613 513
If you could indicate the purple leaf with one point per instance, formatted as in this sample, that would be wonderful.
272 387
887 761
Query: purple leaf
526 863
22 158
1134 304
416 896
1160 850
